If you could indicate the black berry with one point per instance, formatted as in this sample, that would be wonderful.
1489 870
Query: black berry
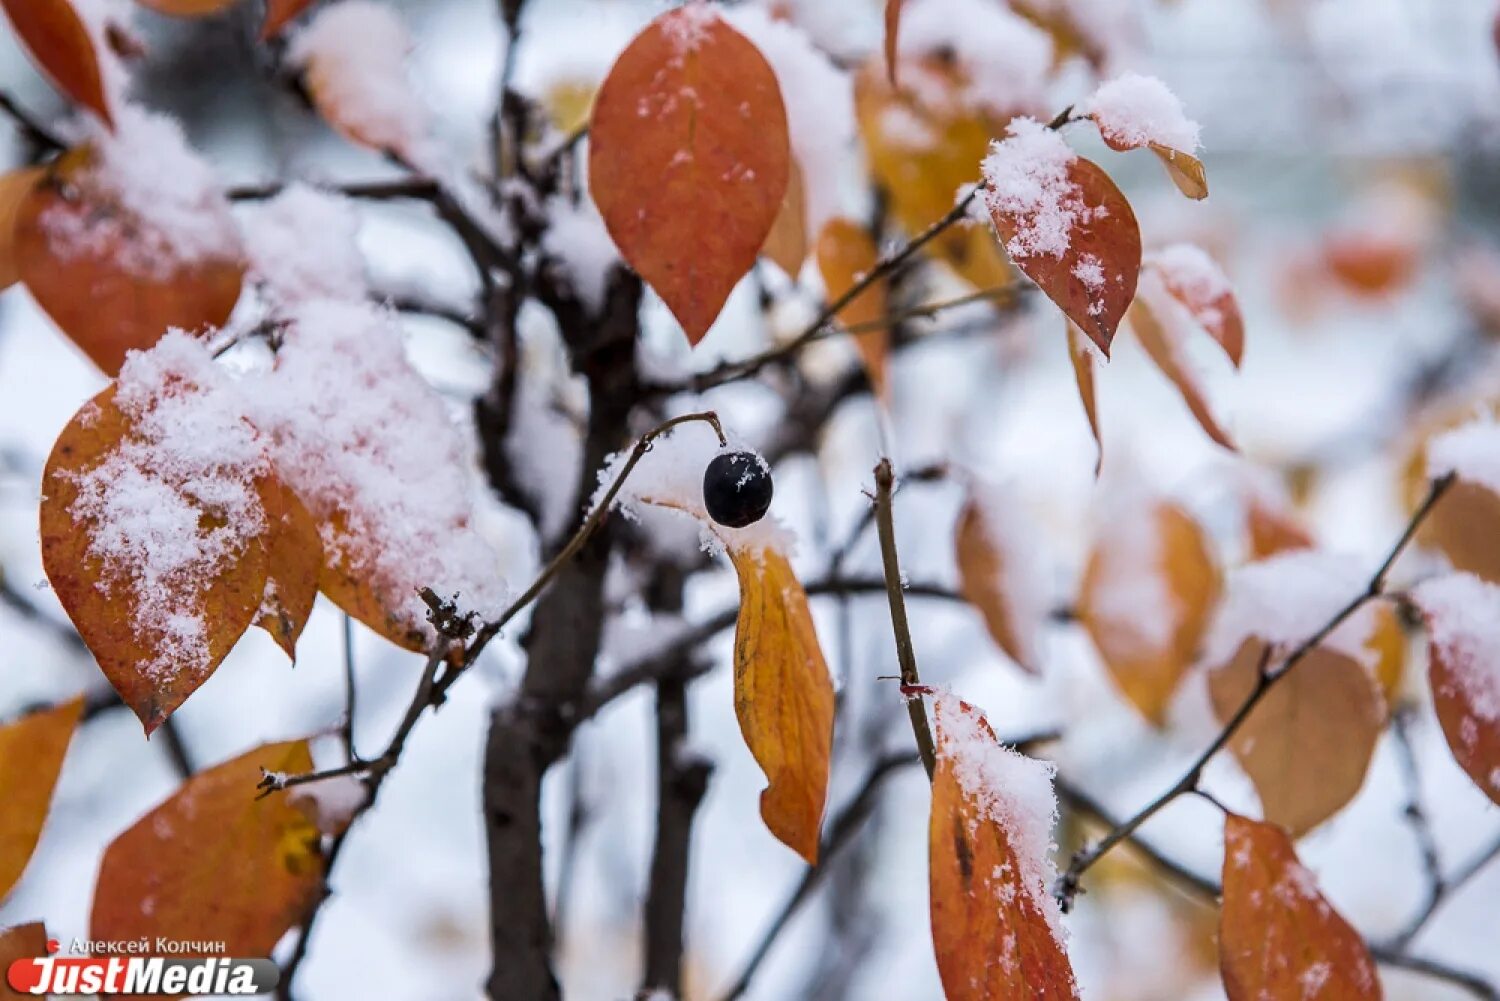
737 489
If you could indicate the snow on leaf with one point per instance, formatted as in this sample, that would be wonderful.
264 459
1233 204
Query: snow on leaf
1066 225
59 41
294 553
846 252
31 755
1462 613
352 55
153 524
301 245
689 156
1307 745
128 236
1132 111
995 926
1196 281
1002 63
330 803
1163 323
1278 936
1148 590
369 447
213 862
1003 573
783 697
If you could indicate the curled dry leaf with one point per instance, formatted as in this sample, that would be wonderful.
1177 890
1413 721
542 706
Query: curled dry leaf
60 43
998 572
1185 170
1307 745
689 159
1196 281
995 925
783 697
1278 936
108 278
15 188
1066 225
31 755
1081 354
846 253
279 13
294 565
214 862
1148 590
1462 613
787 244
1161 323
160 563
920 153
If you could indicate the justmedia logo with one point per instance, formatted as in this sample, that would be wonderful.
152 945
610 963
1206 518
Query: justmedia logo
122 975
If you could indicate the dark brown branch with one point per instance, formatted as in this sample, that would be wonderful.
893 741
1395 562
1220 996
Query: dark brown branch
1068 884
1446 888
916 708
1416 815
681 781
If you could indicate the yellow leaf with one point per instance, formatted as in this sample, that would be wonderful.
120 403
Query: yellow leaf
985 568
846 253
31 755
787 243
783 697
15 187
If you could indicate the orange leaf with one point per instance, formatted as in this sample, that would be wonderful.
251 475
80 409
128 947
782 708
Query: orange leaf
998 575
60 43
787 243
214 862
158 573
783 697
921 152
1185 170
31 755
994 922
188 8
1307 745
1463 525
892 35
28 941
1149 587
1066 225
1462 613
101 275
1274 529
15 187
1082 357
1196 281
1158 320
294 565
278 14
367 598
846 253
1278 936
688 159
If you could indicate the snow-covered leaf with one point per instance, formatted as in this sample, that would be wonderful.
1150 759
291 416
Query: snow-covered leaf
995 926
1463 666
689 157
1196 281
1278 936
1002 572
60 43
1465 522
1307 744
1163 325
846 253
294 565
127 237
1066 225
154 527
1134 111
214 862
31 755
1148 589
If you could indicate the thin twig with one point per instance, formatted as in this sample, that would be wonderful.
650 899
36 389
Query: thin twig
1068 884
44 139
346 729
1449 886
1416 814
885 481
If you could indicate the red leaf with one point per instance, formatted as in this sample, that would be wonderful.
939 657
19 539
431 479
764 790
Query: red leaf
1066 225
31 755
295 562
60 43
1278 937
1163 326
1196 281
993 918
1463 666
689 159
278 14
